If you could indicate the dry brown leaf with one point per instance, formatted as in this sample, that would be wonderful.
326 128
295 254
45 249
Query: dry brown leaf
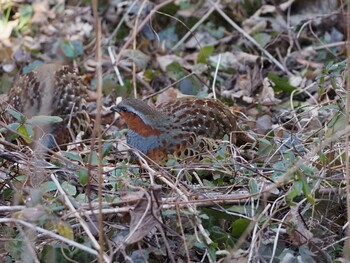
166 60
145 216
167 96
267 96
298 234
200 39
41 9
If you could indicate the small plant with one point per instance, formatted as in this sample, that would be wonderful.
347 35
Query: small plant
24 127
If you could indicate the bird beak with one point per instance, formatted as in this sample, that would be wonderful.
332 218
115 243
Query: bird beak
115 108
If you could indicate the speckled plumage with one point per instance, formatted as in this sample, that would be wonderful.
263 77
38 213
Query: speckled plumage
184 128
52 90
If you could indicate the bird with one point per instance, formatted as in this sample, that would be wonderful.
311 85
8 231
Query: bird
185 128
52 89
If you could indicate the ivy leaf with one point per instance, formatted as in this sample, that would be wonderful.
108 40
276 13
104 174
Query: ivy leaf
138 57
65 230
106 148
70 189
204 53
17 115
71 49
48 187
281 83
26 131
43 120
262 38
239 226
83 176
72 156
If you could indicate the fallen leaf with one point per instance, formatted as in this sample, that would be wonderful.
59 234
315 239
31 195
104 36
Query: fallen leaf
145 216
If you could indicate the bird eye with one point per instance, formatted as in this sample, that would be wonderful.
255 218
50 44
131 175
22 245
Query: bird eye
122 108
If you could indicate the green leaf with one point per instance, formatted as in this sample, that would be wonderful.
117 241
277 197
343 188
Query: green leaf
323 157
278 169
14 247
48 187
213 247
26 131
262 38
83 176
330 107
188 177
65 230
221 237
209 183
106 148
190 86
72 156
309 170
78 47
337 123
70 189
306 190
294 191
44 120
183 5
204 53
253 187
265 147
8 194
171 162
93 158
31 66
109 86
204 216
169 212
26 12
17 115
140 59
239 209
168 36
291 195
6 81
281 83
49 252
68 49
81 198
149 75
175 71
239 226
13 126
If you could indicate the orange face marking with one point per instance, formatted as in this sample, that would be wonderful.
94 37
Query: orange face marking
135 123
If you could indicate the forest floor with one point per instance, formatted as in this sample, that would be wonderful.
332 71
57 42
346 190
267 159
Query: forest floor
280 64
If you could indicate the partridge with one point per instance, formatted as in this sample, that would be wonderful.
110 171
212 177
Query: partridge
52 90
185 128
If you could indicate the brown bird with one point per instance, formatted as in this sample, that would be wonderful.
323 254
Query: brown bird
52 90
184 128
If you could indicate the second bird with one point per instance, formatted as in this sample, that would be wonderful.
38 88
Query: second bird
52 90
